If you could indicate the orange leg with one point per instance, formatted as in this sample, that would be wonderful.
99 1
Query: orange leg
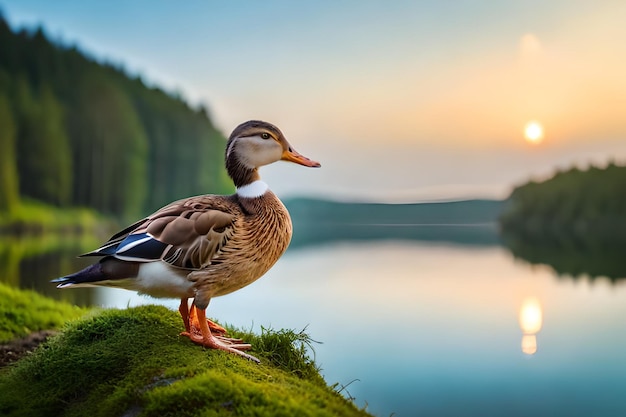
189 318
183 309
200 333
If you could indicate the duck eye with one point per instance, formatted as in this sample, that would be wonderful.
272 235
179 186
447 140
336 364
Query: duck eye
265 135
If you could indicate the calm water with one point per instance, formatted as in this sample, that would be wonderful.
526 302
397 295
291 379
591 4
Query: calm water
433 329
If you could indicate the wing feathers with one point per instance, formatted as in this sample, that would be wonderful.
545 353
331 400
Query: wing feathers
188 234
140 248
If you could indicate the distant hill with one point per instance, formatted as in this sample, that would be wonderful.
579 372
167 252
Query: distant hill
77 132
472 222
574 205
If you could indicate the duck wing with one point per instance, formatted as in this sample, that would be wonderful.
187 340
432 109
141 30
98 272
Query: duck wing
187 234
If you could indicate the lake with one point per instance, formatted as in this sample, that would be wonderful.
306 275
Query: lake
431 328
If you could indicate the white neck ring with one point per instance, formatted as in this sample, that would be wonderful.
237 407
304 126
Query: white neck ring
253 190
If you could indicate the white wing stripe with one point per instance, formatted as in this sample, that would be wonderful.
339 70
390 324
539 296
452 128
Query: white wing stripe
131 245
132 259
106 246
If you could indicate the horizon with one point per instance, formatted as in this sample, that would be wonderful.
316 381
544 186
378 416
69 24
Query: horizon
409 101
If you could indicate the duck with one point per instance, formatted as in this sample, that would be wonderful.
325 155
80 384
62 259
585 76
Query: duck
204 246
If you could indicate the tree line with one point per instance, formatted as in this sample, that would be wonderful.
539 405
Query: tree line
77 132
574 207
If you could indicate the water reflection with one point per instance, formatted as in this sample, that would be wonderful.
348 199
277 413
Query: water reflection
470 223
573 258
530 320
31 261
444 319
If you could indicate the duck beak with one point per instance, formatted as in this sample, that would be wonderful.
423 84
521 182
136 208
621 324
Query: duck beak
292 156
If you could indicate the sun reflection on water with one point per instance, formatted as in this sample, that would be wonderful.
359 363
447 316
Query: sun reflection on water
530 320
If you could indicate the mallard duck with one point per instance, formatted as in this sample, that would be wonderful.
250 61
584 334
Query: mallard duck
205 246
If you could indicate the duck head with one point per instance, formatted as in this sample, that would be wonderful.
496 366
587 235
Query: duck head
254 144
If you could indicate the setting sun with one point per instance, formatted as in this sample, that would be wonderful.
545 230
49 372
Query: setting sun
533 132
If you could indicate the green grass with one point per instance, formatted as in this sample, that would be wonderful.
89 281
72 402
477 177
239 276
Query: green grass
23 312
134 363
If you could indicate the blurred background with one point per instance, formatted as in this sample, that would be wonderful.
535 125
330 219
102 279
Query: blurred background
470 210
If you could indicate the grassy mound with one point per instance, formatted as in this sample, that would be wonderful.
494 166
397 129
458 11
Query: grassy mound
134 363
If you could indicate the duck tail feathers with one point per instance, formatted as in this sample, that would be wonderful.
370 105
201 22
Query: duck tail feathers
93 273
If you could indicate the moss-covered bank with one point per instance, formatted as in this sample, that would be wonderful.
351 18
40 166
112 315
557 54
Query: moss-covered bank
24 312
134 363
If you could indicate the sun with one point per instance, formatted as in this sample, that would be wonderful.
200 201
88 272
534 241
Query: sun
533 132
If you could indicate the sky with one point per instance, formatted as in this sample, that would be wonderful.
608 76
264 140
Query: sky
399 101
